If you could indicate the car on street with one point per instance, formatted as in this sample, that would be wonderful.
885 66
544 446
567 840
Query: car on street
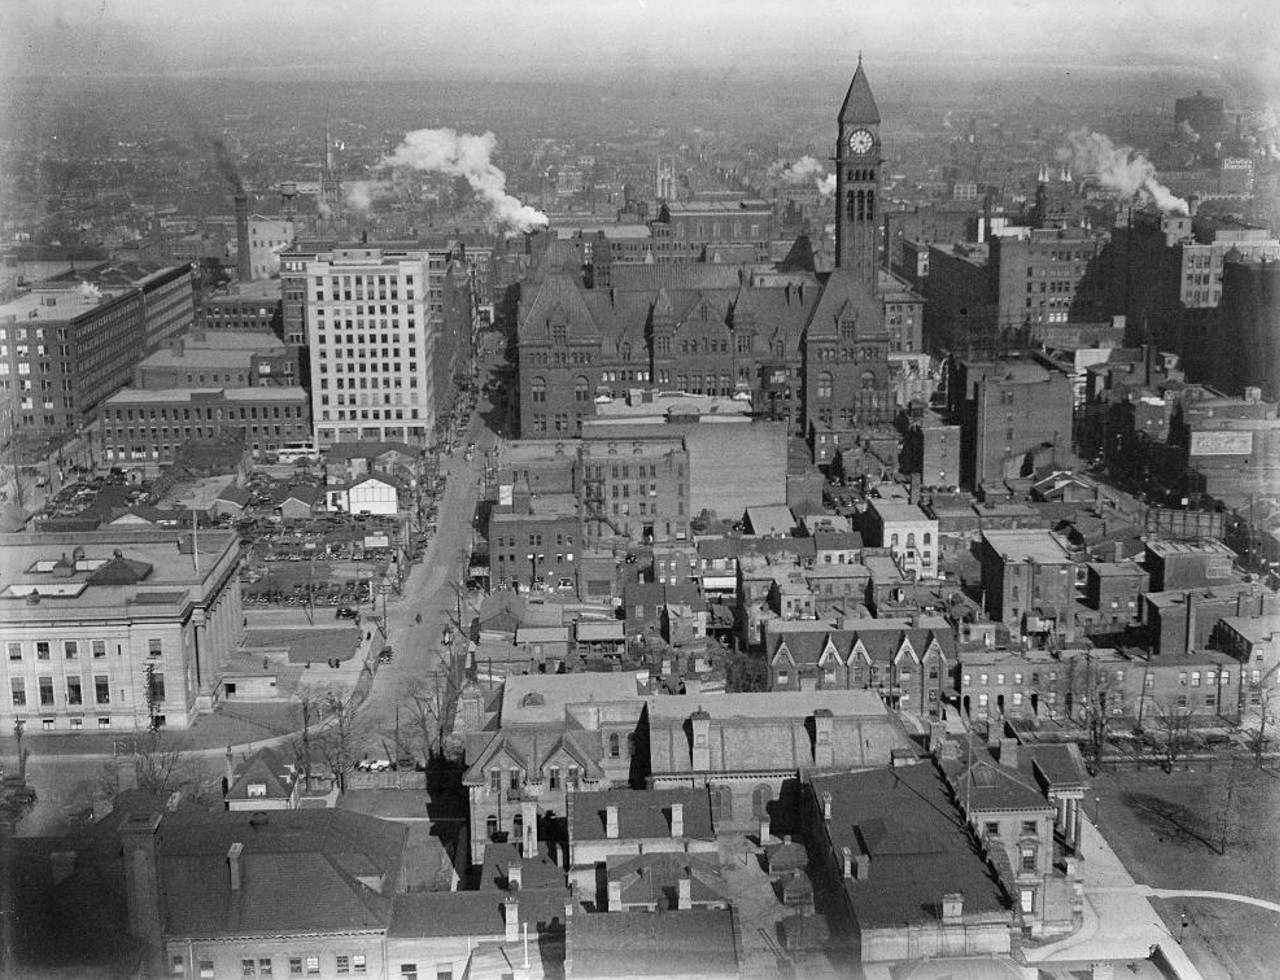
385 656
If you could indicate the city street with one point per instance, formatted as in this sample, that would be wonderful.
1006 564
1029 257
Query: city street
435 589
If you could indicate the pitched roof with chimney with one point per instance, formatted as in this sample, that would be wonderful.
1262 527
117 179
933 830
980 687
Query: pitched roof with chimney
642 814
346 864
918 844
653 879
773 732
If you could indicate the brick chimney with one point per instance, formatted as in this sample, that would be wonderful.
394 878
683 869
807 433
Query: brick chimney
611 821
515 876
677 819
529 818
701 723
511 918
823 733
684 891
140 836
764 830
952 908
826 806
233 862
615 896
846 861
862 866
1009 753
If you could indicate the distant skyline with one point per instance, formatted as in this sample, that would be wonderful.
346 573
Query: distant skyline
626 39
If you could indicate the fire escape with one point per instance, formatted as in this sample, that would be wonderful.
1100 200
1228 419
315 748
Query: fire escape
594 504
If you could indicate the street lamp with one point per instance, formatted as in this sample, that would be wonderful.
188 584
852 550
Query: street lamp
1182 928
1097 811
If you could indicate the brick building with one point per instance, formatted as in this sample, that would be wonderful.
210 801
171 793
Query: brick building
151 425
1029 581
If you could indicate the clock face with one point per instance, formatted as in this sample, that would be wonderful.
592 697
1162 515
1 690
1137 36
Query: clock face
861 141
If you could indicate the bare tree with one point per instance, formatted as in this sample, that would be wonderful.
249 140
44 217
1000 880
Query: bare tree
1097 699
429 707
310 707
343 728
1173 715
161 770
1258 738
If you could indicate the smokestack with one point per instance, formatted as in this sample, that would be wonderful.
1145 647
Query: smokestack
677 819
244 271
511 919
1191 624
684 891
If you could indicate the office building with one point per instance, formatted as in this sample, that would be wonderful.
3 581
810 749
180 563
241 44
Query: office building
106 631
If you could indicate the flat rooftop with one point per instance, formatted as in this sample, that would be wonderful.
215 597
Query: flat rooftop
1205 546
1029 545
133 396
542 699
766 704
898 511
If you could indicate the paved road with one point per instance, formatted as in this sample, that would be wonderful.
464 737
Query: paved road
434 590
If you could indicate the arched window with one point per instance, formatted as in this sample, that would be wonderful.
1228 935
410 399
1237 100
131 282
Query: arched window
760 797
824 384
626 352
614 750
721 804
581 389
538 389
928 538
517 829
491 827
871 205
911 539
868 380
850 205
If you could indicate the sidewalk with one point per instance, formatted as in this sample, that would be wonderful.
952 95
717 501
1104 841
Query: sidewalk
1119 922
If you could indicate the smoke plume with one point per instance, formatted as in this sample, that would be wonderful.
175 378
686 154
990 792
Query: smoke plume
444 151
803 171
1121 168
226 166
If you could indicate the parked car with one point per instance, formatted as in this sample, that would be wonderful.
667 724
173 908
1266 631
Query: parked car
385 656
347 612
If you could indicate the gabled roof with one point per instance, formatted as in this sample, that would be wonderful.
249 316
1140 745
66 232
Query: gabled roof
265 767
695 942
859 104
845 296
654 878
987 785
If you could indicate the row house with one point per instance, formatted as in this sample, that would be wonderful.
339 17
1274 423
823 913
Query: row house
909 668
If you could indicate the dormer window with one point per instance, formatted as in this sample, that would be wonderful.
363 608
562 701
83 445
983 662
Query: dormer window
257 790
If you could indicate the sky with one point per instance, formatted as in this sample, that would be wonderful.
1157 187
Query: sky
582 37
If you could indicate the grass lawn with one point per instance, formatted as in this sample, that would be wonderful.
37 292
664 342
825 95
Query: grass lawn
1170 831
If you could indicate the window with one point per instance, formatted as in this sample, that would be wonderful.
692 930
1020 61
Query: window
154 647
1028 858
295 966
1029 827
1195 678
264 966
514 778
70 649
342 964
358 963
99 648
444 971
495 780
553 777
248 968
1028 899
313 966
206 969
46 690
991 829
177 966
19 691
42 649
409 971
573 777
102 689
15 651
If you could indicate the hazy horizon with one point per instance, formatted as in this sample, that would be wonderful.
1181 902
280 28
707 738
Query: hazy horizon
626 41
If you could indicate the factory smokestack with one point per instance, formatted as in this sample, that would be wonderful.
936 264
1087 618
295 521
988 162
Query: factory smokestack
244 271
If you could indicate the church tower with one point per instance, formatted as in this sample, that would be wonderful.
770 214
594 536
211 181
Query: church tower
857 163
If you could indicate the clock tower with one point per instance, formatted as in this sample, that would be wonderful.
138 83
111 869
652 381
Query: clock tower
857 163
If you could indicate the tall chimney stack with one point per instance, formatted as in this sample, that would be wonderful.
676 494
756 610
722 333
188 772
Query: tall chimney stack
233 861
244 270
